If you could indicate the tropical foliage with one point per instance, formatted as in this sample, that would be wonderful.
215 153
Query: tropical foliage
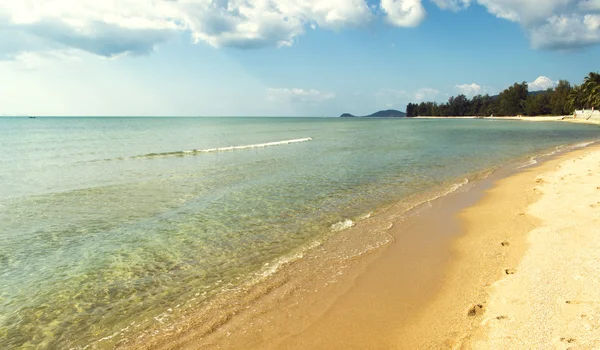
591 90
518 100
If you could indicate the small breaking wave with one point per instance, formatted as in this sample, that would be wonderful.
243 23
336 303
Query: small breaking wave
530 162
583 144
222 149
534 159
342 225
453 188
193 152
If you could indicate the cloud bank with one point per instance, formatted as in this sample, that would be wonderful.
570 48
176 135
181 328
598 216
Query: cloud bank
552 24
136 27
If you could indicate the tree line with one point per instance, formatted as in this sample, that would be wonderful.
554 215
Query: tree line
563 99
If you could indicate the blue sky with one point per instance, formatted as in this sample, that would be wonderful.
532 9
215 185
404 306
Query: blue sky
288 57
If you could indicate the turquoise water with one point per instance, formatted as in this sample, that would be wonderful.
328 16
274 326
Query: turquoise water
109 221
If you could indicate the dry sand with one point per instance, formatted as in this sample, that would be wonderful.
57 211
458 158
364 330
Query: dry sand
566 119
526 273
551 299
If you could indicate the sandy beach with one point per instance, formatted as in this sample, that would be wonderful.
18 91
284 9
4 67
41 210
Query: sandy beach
550 298
525 271
510 263
566 119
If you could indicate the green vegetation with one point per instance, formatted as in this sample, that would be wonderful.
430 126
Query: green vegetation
517 100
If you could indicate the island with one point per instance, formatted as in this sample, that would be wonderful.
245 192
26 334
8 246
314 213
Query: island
390 113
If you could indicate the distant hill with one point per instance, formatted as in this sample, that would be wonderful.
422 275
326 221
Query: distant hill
390 113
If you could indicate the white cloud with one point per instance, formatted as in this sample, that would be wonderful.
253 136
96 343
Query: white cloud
403 13
552 24
96 26
453 5
542 83
549 24
426 94
469 90
560 32
137 26
298 95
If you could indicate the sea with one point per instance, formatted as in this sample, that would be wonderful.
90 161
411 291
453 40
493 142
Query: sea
106 224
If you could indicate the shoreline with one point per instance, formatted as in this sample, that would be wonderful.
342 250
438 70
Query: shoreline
565 118
251 316
308 313
495 238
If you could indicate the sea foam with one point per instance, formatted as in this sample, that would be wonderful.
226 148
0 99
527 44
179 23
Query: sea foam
342 225
223 149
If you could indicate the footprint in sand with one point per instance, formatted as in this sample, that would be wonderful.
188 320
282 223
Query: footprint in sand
476 310
567 340
577 302
510 271
501 317
505 243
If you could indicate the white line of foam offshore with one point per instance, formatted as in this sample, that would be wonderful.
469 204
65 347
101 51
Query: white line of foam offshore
208 150
225 149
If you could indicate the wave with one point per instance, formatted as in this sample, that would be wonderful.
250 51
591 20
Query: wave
534 159
223 149
193 152
584 144
342 225
451 189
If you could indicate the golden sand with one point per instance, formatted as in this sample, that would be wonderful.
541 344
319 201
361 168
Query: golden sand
552 298
565 119
514 267
548 300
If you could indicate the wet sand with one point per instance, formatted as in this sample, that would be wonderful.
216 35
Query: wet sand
434 285
477 302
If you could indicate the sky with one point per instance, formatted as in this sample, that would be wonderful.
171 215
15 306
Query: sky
282 57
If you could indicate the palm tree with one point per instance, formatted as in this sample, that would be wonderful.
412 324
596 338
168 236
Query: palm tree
576 98
591 87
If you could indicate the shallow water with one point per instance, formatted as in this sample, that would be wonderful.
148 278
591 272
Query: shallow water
105 223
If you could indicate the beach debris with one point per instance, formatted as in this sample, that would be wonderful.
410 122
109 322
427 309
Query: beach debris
510 271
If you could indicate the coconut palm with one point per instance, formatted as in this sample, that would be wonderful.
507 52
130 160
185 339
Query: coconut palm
591 87
576 99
